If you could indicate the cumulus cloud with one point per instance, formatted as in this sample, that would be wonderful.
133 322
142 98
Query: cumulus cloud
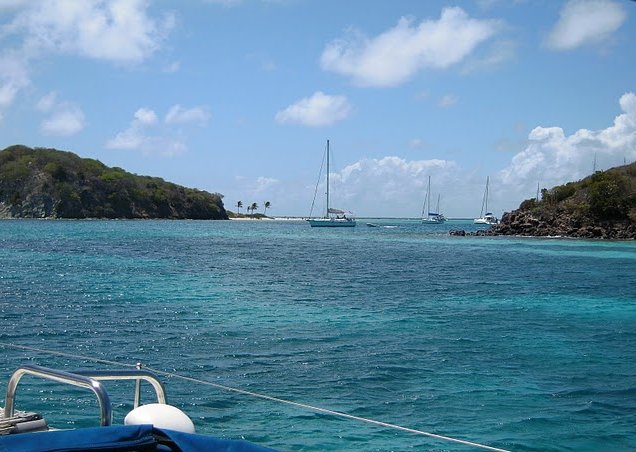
584 22
318 110
67 120
145 116
396 55
118 31
553 158
179 115
134 137
13 78
64 118
397 184
148 135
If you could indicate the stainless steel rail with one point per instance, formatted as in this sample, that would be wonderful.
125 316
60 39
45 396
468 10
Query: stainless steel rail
105 408
88 379
128 375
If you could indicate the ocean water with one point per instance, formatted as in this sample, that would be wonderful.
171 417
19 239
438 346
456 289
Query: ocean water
519 343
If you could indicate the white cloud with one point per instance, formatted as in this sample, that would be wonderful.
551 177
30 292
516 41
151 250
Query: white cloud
13 78
64 118
398 54
318 110
179 115
553 158
391 185
118 30
135 137
47 102
448 101
584 22
145 116
147 135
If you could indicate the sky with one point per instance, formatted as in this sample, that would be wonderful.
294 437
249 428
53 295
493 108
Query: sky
239 97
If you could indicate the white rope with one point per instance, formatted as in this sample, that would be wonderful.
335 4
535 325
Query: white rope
266 397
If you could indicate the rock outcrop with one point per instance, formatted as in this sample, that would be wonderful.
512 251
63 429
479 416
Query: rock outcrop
47 183
561 224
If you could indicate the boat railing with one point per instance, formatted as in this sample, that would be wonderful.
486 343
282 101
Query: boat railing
87 379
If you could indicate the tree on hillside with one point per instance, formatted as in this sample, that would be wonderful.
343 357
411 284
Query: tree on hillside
267 206
254 207
238 206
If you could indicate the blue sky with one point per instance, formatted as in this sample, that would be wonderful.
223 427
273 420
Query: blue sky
240 96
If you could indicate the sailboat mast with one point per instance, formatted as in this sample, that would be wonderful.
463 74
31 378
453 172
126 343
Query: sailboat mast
486 195
428 196
327 179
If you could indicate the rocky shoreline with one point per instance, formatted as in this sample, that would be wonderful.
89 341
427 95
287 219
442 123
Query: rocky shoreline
560 224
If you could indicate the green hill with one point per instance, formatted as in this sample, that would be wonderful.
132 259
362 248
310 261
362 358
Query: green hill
47 183
602 205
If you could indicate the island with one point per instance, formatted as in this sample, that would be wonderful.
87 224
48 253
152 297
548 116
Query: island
600 206
49 183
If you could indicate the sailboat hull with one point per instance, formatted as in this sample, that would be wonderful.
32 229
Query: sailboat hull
332 222
433 220
334 218
487 219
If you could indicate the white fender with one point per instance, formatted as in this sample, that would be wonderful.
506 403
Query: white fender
160 415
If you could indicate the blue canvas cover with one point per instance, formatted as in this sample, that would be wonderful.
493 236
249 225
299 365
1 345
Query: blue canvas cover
141 438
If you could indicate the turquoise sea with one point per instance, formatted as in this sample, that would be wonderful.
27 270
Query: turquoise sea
519 343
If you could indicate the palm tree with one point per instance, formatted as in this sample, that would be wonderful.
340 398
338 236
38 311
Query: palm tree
267 206
254 207
238 206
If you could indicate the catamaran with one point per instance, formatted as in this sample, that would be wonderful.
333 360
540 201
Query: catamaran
429 217
333 217
488 217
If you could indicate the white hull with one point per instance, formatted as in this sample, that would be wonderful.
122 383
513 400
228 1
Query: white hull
433 220
332 222
488 219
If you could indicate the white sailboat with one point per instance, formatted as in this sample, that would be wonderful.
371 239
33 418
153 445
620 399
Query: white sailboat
333 217
487 217
429 217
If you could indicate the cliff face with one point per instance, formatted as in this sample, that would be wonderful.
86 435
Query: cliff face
47 183
602 205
